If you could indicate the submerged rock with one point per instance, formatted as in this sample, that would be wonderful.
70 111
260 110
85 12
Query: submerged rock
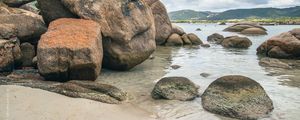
271 62
77 89
70 49
236 42
205 75
215 38
128 32
10 53
285 45
198 29
175 88
162 22
237 97
175 67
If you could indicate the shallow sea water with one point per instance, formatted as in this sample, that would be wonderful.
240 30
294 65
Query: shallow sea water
283 86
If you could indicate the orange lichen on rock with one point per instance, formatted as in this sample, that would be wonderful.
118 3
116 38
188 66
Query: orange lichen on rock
71 49
71 33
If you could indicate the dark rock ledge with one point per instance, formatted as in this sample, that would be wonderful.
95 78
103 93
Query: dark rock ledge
76 89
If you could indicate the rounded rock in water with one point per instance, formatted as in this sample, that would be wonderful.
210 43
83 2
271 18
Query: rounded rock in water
237 97
175 88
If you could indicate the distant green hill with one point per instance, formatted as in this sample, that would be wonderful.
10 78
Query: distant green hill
189 14
236 14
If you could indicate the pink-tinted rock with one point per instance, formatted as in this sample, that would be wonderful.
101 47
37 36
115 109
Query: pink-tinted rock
285 45
174 40
162 22
128 29
70 49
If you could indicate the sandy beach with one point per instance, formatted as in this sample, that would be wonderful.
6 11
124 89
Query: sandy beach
23 103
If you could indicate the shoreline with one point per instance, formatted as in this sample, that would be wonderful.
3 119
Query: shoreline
44 107
138 82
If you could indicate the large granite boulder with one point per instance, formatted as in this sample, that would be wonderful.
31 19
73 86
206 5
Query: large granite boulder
162 22
128 29
236 42
247 28
175 88
237 97
70 49
215 38
16 3
9 53
53 9
174 40
285 45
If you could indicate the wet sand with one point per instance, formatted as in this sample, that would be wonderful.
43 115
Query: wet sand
23 103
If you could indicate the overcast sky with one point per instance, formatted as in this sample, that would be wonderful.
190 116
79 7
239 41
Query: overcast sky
222 5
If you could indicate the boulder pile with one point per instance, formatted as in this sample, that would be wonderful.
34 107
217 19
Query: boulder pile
72 48
247 28
179 37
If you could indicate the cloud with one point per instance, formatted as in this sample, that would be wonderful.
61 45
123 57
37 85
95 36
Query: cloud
221 5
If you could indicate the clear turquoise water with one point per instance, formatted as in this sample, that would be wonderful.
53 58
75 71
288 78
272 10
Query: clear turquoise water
284 89
283 86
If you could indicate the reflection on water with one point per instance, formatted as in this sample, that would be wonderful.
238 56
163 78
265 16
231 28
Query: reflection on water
283 86
287 77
